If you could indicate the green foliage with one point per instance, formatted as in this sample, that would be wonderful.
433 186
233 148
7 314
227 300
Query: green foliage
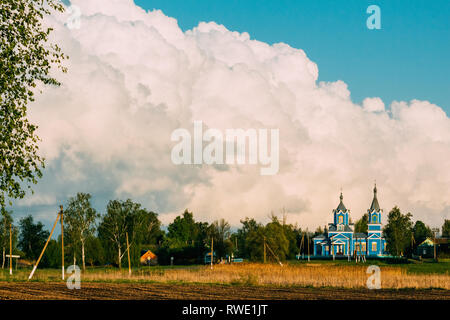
276 239
361 224
152 233
254 244
144 232
421 232
52 255
124 217
6 221
282 239
79 222
187 240
220 231
292 234
113 227
95 255
32 237
249 239
318 231
182 256
184 231
446 229
398 232
25 60
308 244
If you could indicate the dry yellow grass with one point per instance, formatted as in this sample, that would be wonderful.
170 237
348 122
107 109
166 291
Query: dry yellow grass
288 275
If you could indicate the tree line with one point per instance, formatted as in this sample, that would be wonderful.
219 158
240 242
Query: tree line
96 239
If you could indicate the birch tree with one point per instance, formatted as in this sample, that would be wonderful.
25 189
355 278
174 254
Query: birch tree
5 222
79 221
26 59
125 217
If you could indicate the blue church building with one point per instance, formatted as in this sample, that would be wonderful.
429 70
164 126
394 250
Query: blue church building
341 240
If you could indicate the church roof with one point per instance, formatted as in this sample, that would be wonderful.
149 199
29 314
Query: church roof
332 227
341 206
360 235
375 206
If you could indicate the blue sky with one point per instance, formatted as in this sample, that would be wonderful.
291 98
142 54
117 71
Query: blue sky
409 58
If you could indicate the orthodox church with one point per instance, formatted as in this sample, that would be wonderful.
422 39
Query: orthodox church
341 240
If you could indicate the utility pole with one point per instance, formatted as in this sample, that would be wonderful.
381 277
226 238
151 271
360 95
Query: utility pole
10 249
307 238
435 230
128 251
43 250
212 252
332 249
264 249
301 245
62 241
348 250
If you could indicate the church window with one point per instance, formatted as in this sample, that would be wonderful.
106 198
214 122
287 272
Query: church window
361 247
374 246
374 218
341 219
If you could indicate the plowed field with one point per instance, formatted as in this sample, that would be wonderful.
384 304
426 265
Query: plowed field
159 291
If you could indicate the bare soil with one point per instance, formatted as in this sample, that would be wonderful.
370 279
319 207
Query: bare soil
162 291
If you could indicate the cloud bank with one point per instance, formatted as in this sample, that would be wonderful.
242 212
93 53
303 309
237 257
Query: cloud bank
135 76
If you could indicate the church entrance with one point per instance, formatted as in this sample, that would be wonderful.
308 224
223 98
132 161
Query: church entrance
319 250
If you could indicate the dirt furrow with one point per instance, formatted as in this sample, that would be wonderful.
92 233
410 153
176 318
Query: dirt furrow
161 291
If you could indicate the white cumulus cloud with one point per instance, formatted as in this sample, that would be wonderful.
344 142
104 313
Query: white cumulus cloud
373 104
135 76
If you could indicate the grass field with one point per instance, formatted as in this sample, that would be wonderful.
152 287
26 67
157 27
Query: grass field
315 274
295 280
413 267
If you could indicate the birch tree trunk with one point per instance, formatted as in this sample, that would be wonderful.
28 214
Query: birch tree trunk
120 258
82 255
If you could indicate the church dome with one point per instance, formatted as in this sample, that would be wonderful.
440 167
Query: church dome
374 206
341 206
